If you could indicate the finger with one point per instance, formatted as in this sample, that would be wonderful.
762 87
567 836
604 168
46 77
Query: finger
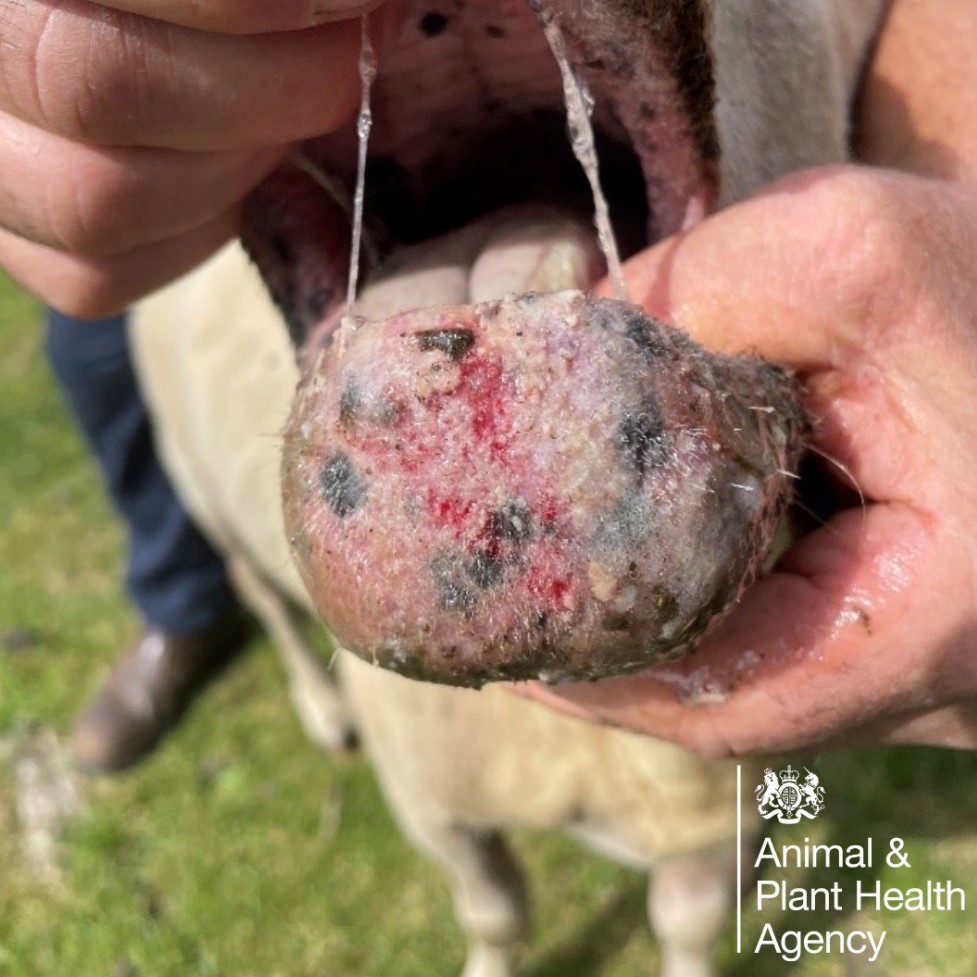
99 201
91 287
954 725
827 272
113 78
246 16
807 652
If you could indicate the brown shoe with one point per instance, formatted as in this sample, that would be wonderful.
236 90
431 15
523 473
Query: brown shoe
148 690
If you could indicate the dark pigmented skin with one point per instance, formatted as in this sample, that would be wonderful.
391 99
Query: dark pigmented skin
642 440
511 522
299 239
343 488
433 23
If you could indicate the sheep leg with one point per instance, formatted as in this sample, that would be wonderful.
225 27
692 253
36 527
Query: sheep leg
316 696
689 900
489 893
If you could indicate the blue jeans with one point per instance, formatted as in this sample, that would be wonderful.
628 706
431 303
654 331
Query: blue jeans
173 575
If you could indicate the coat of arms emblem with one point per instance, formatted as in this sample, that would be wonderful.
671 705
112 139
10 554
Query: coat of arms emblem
787 800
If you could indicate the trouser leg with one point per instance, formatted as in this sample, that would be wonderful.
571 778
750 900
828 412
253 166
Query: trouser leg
173 574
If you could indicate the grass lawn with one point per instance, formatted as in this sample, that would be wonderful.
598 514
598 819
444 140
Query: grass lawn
239 850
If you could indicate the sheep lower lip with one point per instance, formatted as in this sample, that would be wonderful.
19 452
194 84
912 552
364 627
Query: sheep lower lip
545 485
548 485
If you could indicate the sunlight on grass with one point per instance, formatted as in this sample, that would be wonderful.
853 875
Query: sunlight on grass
239 849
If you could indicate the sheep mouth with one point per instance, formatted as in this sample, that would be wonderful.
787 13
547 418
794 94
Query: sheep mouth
506 485
469 118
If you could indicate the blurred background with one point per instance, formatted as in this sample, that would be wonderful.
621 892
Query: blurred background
238 848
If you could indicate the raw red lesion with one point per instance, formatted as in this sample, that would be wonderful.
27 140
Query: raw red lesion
448 512
550 588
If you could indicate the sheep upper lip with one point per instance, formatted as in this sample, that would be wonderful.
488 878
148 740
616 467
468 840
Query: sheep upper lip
458 135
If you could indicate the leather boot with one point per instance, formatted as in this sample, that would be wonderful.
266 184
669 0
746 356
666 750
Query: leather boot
149 689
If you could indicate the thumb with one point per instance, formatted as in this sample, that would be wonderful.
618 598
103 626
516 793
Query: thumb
782 274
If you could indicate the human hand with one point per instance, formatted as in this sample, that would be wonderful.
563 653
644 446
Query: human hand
863 281
130 130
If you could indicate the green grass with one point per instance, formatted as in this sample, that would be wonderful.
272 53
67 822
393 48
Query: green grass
238 849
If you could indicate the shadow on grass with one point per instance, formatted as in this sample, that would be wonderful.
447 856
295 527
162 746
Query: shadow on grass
594 944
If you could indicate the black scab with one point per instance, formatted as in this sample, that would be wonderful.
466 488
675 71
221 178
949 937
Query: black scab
433 23
342 486
452 595
641 438
485 569
454 342
511 522
495 31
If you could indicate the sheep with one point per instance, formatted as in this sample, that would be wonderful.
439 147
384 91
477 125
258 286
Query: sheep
457 766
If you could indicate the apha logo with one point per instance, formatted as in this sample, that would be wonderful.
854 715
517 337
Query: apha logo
788 801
